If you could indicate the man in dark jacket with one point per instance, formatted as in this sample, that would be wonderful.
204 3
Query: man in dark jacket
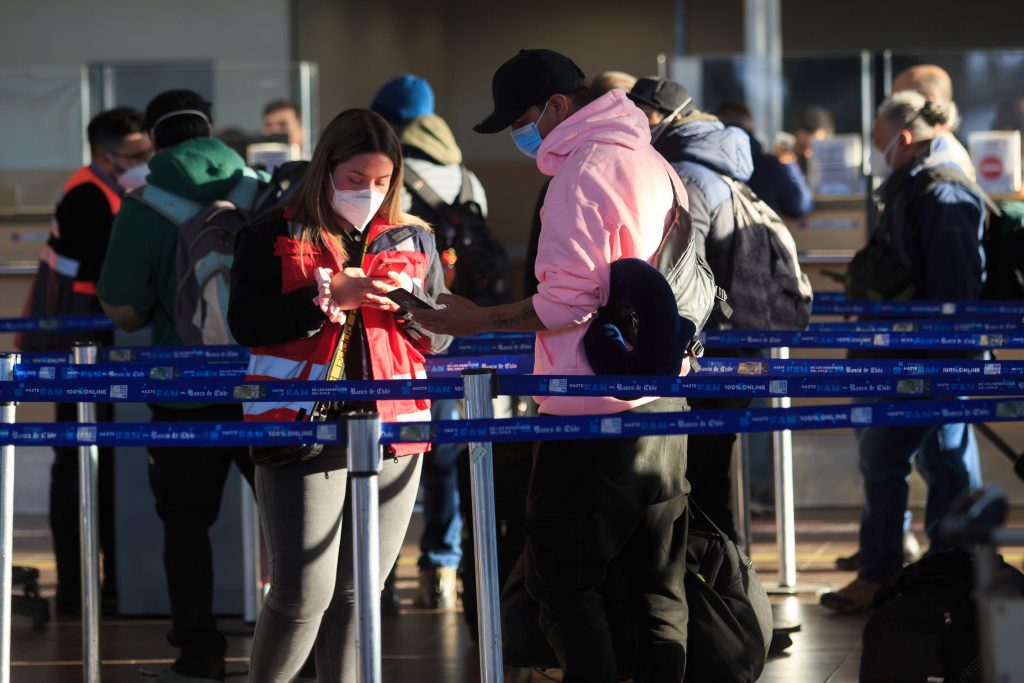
702 150
927 246
65 284
778 181
137 286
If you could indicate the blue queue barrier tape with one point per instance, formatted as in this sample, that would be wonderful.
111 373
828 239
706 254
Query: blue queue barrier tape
707 421
978 326
953 341
152 370
436 367
442 367
829 297
226 390
523 429
860 367
171 433
510 344
928 309
240 390
67 323
721 387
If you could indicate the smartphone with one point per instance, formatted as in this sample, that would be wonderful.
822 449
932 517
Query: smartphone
385 264
407 301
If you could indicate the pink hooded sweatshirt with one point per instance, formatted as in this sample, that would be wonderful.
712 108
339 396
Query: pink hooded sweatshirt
610 198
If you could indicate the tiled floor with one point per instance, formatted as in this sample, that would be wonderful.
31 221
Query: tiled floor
427 646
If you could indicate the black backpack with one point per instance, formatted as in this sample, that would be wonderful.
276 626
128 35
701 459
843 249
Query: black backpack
477 263
767 290
879 271
923 626
1004 252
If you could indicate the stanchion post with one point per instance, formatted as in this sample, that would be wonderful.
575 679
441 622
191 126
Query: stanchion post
741 492
364 465
7 363
88 465
479 386
251 567
785 516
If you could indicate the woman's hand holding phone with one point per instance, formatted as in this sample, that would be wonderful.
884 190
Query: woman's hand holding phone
351 289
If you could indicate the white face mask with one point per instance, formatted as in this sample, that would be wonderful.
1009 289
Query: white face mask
134 177
356 206
881 166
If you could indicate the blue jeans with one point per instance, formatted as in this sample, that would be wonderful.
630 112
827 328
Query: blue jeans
441 542
947 458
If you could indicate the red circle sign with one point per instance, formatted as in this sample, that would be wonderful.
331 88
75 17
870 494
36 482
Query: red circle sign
990 168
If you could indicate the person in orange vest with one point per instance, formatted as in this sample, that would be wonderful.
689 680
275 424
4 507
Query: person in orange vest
65 284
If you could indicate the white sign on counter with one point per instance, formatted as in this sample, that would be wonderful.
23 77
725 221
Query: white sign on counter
835 166
996 156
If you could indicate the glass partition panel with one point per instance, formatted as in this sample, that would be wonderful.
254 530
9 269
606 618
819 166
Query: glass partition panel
988 85
833 82
239 92
45 111
840 87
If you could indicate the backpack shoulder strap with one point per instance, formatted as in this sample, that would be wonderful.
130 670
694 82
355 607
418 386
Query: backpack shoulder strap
243 195
947 174
466 191
418 186
177 210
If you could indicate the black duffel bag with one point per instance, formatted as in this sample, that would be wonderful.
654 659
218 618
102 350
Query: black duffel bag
730 625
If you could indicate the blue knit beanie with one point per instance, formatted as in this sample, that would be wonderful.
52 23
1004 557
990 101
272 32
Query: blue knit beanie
404 98
639 331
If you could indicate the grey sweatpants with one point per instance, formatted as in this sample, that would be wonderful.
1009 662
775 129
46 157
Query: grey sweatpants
307 525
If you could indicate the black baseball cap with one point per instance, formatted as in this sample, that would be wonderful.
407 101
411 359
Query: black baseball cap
528 79
662 94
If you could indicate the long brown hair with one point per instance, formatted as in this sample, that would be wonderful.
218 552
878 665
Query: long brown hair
352 132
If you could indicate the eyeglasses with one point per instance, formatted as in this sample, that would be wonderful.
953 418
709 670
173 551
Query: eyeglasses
136 158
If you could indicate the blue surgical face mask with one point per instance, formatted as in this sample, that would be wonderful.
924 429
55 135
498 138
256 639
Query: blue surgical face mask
527 138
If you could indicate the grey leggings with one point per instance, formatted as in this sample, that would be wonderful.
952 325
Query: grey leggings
307 526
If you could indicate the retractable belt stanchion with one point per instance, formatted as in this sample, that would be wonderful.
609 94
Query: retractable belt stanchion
364 464
785 516
88 466
251 569
785 504
479 387
741 493
7 363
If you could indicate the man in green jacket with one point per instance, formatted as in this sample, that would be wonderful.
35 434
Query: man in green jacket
136 287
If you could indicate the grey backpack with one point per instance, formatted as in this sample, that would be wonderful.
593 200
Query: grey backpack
689 275
205 251
767 289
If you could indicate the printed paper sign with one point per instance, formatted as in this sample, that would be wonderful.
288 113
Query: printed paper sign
835 166
996 157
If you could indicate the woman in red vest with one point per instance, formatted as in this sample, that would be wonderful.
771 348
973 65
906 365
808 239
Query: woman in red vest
308 297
